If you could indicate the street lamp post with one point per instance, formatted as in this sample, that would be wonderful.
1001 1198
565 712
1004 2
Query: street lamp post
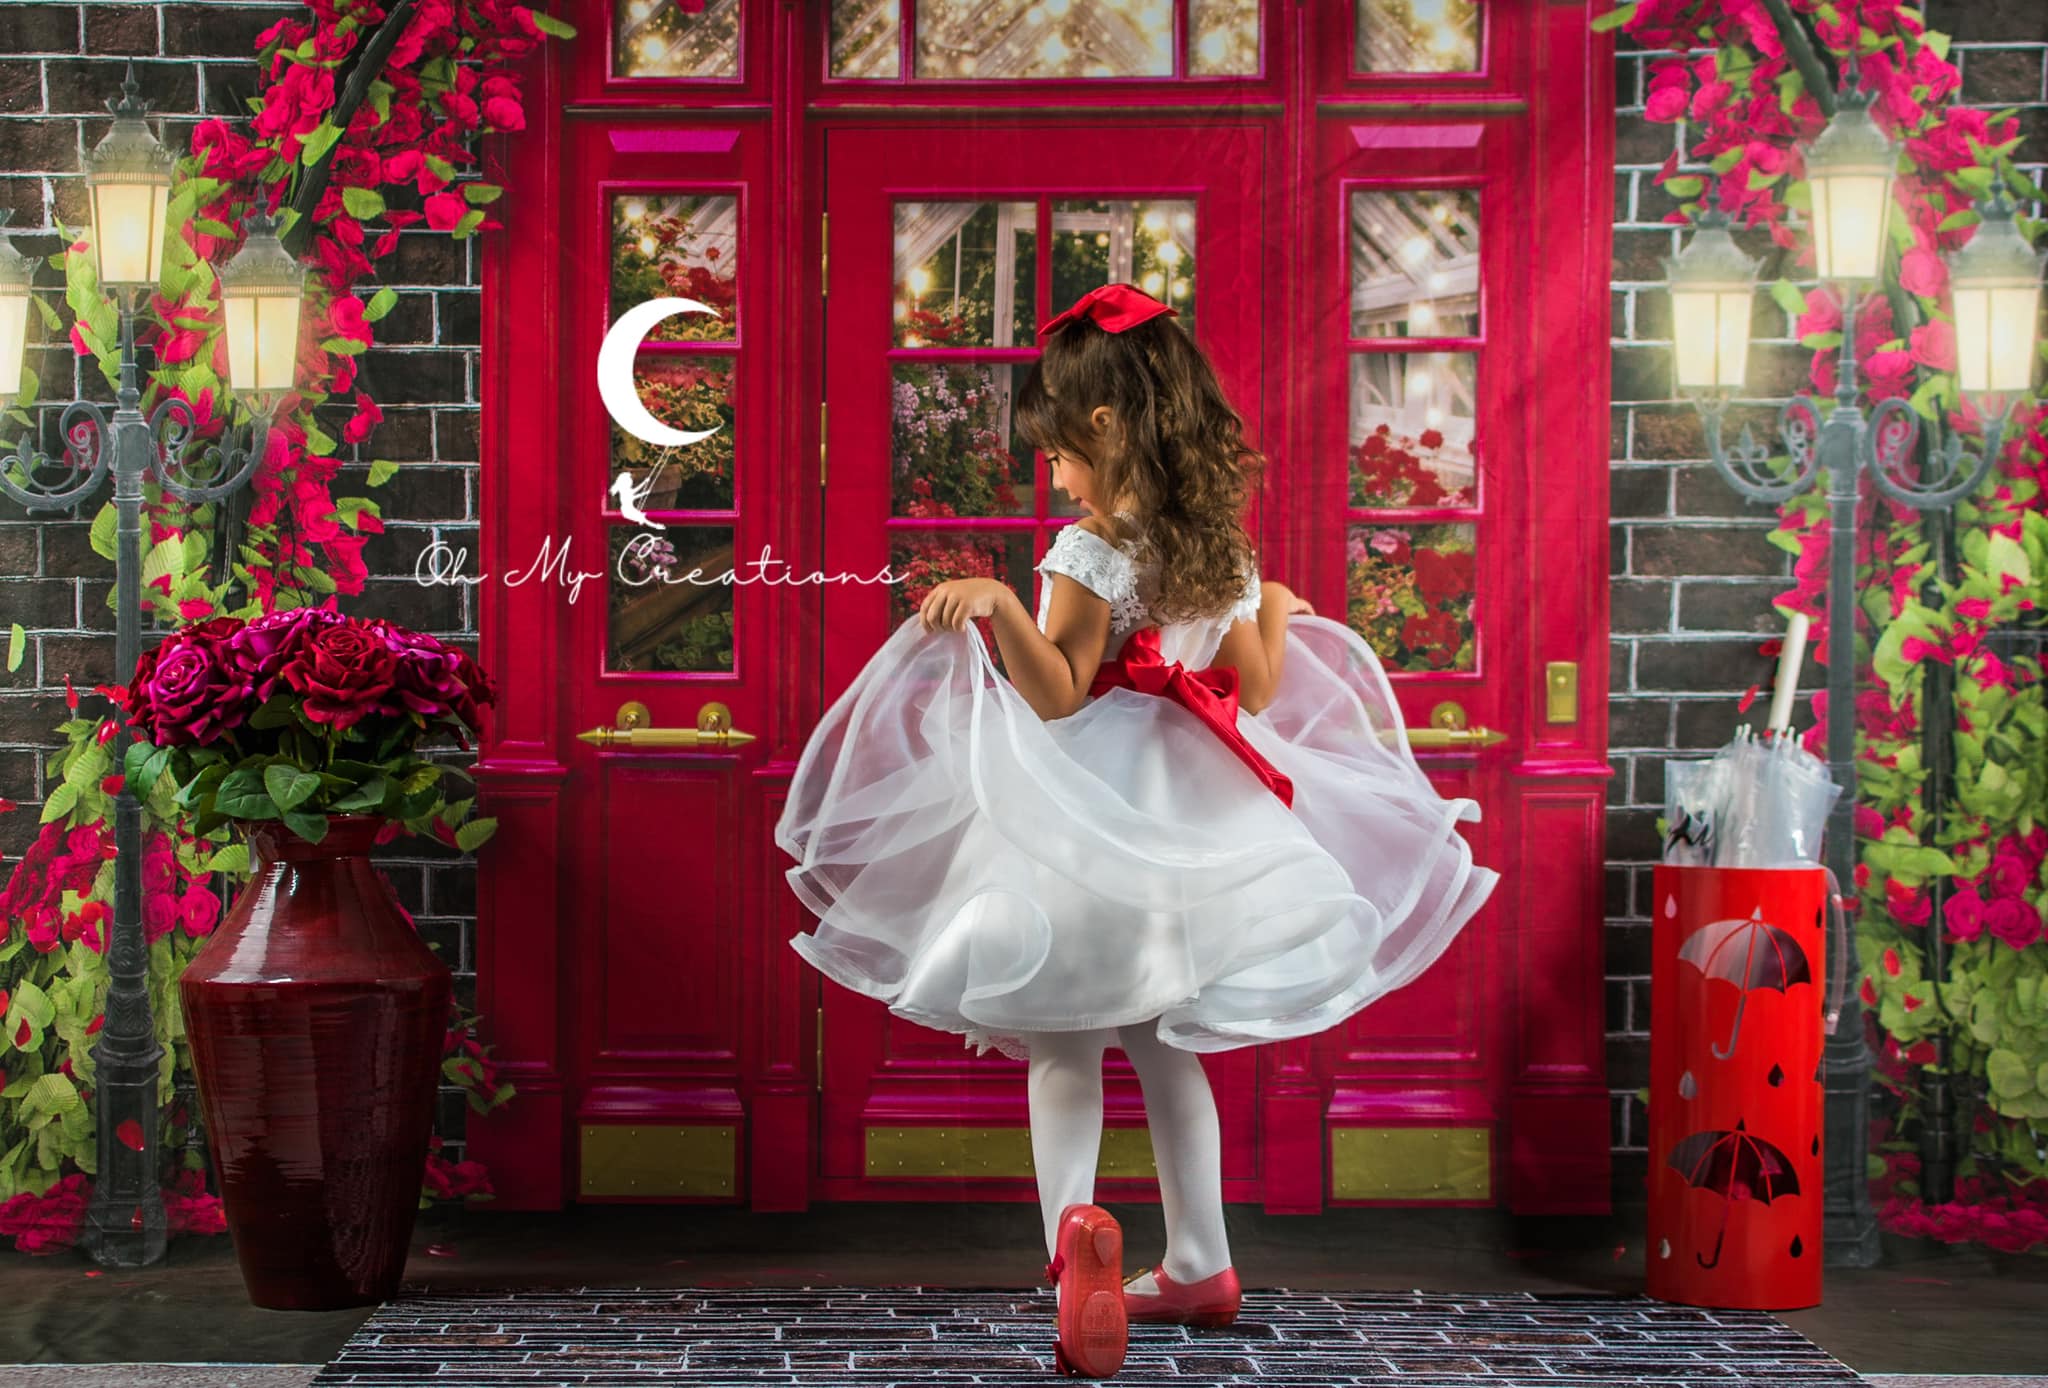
1996 279
129 179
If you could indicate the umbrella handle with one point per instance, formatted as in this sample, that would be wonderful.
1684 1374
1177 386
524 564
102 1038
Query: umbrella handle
1734 1032
1718 1239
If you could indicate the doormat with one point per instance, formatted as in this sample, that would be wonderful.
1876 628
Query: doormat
875 1337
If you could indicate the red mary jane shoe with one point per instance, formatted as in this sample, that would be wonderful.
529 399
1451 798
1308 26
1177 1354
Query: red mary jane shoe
1088 1270
1210 1302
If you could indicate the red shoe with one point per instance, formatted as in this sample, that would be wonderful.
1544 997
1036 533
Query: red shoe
1088 1270
1210 1302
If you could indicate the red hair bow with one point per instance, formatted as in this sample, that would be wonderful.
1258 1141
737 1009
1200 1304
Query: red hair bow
1114 307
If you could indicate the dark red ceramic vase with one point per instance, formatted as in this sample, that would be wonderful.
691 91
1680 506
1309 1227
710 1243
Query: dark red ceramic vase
316 1016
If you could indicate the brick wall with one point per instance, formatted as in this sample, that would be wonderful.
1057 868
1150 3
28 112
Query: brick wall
58 65
1693 576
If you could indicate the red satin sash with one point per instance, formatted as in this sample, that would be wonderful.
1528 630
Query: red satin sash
1211 695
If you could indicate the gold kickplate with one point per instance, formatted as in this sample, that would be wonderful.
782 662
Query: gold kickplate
926 1152
1411 1164
655 1160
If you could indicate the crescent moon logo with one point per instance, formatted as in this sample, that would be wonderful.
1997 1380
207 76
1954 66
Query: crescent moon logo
615 373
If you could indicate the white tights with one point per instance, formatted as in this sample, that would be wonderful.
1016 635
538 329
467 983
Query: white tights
1065 1089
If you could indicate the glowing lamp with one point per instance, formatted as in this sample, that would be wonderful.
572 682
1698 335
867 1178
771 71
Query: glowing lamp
261 289
128 178
1849 171
1996 279
16 280
1712 284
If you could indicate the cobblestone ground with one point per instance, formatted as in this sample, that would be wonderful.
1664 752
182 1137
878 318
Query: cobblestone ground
934 1336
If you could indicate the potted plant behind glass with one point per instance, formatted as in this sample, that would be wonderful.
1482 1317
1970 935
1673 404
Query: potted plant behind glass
315 1012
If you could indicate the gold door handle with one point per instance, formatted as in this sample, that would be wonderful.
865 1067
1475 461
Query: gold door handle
714 729
1446 728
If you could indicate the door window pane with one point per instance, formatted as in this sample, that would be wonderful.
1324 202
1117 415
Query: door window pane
1417 36
676 38
683 247
1408 592
661 618
1150 244
1223 38
951 449
966 274
693 393
864 38
1405 397
988 40
1415 263
1427 469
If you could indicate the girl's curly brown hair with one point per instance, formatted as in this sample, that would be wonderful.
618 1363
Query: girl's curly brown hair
1176 446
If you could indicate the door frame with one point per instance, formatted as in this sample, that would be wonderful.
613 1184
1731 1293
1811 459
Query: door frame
1551 75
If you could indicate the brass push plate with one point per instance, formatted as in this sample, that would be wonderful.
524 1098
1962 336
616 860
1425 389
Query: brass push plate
1561 691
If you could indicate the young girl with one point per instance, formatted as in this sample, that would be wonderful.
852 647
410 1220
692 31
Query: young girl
1144 837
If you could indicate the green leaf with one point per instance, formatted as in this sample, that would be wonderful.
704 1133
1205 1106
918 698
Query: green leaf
367 796
53 1094
61 802
548 24
289 786
1789 296
105 531
471 220
17 646
1686 186
475 833
234 858
167 559
380 304
313 148
276 712
481 193
2010 1076
310 827
362 203
382 470
31 1002
242 796
441 168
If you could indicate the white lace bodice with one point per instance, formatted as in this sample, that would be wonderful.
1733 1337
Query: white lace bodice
1108 571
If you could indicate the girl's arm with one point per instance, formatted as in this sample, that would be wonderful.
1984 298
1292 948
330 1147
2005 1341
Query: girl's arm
1255 649
1052 669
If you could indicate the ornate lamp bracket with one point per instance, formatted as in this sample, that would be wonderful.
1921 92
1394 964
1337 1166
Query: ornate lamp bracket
84 430
1949 474
1747 465
229 464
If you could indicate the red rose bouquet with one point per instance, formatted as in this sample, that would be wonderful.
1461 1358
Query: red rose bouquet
295 716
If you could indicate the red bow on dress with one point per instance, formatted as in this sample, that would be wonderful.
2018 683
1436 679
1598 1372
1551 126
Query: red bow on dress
1114 307
1211 695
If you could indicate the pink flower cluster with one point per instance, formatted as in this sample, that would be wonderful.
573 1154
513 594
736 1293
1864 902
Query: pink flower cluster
205 681
1995 900
59 860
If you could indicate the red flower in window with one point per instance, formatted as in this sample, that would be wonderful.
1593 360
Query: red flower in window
1443 577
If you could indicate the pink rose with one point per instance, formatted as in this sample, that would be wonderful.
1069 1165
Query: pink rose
445 211
1934 345
1964 915
2013 921
1922 272
2009 875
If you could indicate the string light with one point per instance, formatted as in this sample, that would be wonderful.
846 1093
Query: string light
1152 283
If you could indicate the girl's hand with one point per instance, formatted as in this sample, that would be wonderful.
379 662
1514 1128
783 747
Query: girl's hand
957 601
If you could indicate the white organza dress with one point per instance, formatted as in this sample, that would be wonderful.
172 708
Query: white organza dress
984 871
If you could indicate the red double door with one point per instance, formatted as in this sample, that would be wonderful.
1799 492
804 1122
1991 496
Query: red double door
1372 316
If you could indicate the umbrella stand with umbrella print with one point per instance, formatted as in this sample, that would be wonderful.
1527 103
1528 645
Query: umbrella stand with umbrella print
1750 954
1736 1166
